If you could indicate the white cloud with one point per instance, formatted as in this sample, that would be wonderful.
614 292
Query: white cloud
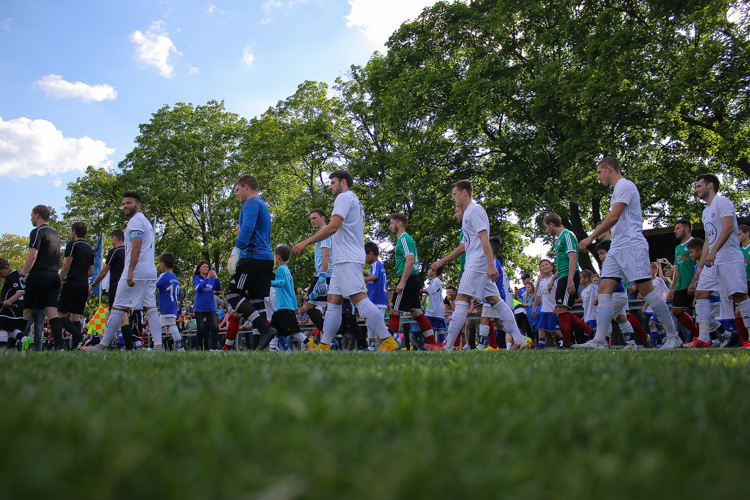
378 19
55 86
247 56
211 9
266 20
57 182
154 48
5 25
36 147
193 69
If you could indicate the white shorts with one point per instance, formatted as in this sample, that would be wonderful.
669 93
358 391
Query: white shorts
142 294
628 264
729 278
347 279
168 320
489 312
620 302
477 284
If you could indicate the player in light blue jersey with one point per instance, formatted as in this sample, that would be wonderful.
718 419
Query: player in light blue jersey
169 290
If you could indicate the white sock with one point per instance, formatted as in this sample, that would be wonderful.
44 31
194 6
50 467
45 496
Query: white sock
3 336
113 324
714 324
661 310
301 337
703 318
484 335
509 321
626 328
373 317
274 344
457 323
331 323
604 312
153 321
745 312
175 332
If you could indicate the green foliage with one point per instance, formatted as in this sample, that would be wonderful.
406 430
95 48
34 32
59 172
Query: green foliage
357 425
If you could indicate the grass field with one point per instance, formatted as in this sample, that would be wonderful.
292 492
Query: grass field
376 425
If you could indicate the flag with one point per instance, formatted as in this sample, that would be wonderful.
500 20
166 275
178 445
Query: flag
98 249
97 323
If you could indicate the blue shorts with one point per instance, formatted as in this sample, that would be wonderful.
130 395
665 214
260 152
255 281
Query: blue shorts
436 323
729 325
592 324
548 321
653 318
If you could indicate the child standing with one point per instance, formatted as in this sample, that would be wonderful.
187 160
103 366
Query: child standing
377 288
545 287
169 295
284 318
588 296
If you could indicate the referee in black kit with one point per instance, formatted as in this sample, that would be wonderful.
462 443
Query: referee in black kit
78 266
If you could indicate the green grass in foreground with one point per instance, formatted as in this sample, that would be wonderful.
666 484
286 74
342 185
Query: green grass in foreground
396 425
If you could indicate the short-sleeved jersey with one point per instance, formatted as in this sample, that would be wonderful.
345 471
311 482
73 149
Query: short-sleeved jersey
547 296
204 289
83 258
588 295
661 288
11 286
116 262
377 291
685 266
140 228
628 231
170 292
284 285
475 221
404 247
719 208
746 255
46 241
566 243
319 246
435 307
349 240
255 230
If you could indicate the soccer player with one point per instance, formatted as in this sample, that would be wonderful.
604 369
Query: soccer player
568 277
436 306
695 247
682 277
169 295
407 296
284 318
377 288
661 287
489 313
545 296
77 267
11 310
137 287
587 297
347 226
251 264
628 255
722 265
480 275
40 272
317 294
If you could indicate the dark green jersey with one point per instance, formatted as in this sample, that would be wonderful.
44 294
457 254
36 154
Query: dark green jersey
746 254
566 243
405 246
685 266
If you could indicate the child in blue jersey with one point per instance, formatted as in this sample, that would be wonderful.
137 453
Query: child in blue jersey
169 294
284 318
377 287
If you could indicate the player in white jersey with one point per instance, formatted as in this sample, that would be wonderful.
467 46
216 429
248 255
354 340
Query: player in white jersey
347 226
480 274
587 297
137 287
546 287
722 264
627 258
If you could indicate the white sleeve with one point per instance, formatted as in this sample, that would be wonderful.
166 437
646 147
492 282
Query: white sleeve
725 208
622 194
341 206
433 286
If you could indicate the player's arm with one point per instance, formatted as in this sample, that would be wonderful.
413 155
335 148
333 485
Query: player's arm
675 277
572 264
326 260
136 242
537 298
727 223
99 277
65 267
487 248
9 302
323 233
607 224
408 265
371 277
30 259
456 253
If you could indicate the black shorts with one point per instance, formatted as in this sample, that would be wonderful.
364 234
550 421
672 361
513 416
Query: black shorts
12 324
562 297
251 281
42 290
111 294
682 299
73 297
410 298
285 322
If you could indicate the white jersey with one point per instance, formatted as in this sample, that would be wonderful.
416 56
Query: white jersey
139 228
270 303
436 308
474 221
721 207
547 297
661 288
588 295
349 240
628 231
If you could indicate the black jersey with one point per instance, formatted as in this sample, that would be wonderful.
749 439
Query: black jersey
83 259
47 243
12 286
116 262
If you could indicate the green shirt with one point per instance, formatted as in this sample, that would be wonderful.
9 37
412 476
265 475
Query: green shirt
565 244
746 253
685 266
404 247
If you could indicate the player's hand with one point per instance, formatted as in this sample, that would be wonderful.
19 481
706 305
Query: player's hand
7 303
710 259
130 280
299 248
585 243
533 313
670 295
551 284
691 289
400 287
232 264
571 286
596 300
435 265
493 274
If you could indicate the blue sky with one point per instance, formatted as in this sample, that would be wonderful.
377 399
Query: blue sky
78 77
